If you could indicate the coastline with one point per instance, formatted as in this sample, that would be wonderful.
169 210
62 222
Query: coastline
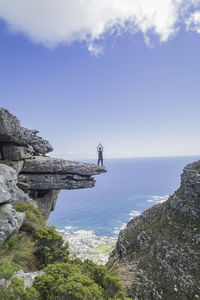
87 245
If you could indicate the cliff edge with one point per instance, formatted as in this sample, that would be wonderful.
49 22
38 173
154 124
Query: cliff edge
28 175
157 255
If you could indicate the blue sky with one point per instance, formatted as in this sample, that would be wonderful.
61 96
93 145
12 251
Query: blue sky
139 96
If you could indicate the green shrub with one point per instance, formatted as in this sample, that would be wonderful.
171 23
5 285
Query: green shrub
7 270
33 216
50 246
65 281
110 284
93 271
16 291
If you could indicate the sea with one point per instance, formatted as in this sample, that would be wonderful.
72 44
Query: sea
129 187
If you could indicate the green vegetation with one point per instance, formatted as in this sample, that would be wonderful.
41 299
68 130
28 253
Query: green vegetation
78 280
7 270
19 249
33 217
106 249
16 291
50 246
37 247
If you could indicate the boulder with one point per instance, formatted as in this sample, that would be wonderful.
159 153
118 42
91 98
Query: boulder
10 221
12 131
16 165
9 176
41 164
12 152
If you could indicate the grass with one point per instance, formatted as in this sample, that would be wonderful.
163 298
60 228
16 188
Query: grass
19 249
7 270
106 249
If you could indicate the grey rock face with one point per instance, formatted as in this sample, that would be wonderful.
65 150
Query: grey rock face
40 164
158 253
55 181
43 173
27 277
46 201
186 201
12 131
16 165
143 241
8 173
9 177
31 177
12 152
5 196
10 221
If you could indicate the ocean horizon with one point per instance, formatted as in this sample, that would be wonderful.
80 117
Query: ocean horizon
130 186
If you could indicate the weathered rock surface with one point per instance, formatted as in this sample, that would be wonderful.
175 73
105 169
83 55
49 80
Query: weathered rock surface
158 254
10 221
12 152
56 181
11 131
46 200
43 173
41 164
9 177
36 179
27 277
5 196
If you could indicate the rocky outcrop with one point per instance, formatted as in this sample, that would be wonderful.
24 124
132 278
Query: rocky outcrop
44 173
158 254
12 132
10 221
10 192
27 175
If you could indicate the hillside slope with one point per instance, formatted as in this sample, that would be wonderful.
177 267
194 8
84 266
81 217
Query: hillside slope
158 254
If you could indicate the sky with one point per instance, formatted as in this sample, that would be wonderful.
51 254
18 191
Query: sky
123 73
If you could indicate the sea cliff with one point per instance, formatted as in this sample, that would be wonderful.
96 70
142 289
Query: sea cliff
157 255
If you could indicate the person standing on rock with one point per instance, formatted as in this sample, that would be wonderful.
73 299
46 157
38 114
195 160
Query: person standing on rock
100 154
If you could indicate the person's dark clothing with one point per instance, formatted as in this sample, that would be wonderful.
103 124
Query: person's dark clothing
100 157
100 160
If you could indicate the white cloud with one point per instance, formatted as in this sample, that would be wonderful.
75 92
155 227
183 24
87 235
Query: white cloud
193 22
51 22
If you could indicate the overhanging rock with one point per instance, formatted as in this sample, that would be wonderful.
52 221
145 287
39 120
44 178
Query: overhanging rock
37 178
43 173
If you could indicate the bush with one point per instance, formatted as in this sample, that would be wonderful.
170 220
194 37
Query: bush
65 281
93 271
50 246
110 284
33 216
16 291
7 270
